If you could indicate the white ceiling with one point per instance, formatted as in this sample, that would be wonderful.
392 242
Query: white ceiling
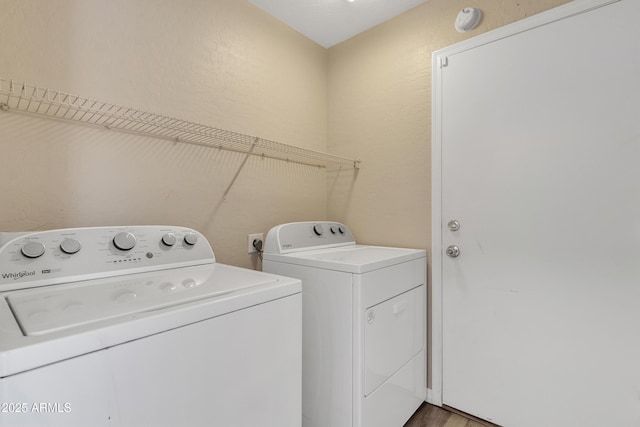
328 22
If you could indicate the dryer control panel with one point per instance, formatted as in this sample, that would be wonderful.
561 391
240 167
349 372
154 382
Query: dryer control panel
74 254
297 236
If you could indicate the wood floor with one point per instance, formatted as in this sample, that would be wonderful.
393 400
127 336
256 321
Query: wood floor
433 416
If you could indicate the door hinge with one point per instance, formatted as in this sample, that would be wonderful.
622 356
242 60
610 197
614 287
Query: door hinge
444 61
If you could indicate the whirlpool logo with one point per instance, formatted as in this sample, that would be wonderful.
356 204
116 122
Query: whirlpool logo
18 276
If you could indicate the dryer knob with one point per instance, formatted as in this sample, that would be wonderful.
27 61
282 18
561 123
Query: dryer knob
169 239
341 229
32 249
333 229
70 246
318 229
190 238
124 241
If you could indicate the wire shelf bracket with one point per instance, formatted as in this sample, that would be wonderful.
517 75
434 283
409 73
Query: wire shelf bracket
33 99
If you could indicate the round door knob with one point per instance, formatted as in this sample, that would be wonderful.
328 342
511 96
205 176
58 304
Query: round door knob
454 225
190 238
318 229
453 251
169 239
70 246
32 249
124 241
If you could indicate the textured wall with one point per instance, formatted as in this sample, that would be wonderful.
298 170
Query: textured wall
380 112
223 63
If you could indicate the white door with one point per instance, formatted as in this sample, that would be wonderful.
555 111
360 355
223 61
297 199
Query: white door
540 165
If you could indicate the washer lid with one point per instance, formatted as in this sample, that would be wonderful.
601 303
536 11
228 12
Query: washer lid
56 308
352 259
43 326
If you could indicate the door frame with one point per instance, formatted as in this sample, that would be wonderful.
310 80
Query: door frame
439 61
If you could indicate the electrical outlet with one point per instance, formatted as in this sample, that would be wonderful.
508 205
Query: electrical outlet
257 236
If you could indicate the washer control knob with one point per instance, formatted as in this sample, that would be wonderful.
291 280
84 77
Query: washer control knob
32 249
341 229
318 229
190 238
333 229
70 246
124 241
169 239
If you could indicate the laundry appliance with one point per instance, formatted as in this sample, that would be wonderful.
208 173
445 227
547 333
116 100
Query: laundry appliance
363 324
139 326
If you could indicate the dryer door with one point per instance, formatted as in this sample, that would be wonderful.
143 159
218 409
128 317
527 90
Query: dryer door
393 335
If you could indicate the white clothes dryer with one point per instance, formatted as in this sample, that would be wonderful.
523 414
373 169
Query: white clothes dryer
139 326
364 324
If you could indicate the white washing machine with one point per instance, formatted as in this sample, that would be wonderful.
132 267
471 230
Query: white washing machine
139 326
363 309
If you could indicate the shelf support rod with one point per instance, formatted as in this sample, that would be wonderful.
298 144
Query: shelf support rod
244 161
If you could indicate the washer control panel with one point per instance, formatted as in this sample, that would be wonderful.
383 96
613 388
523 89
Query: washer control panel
296 236
74 254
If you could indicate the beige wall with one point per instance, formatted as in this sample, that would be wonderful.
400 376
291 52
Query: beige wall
380 112
223 63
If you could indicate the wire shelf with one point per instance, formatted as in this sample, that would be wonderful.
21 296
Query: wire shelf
32 99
